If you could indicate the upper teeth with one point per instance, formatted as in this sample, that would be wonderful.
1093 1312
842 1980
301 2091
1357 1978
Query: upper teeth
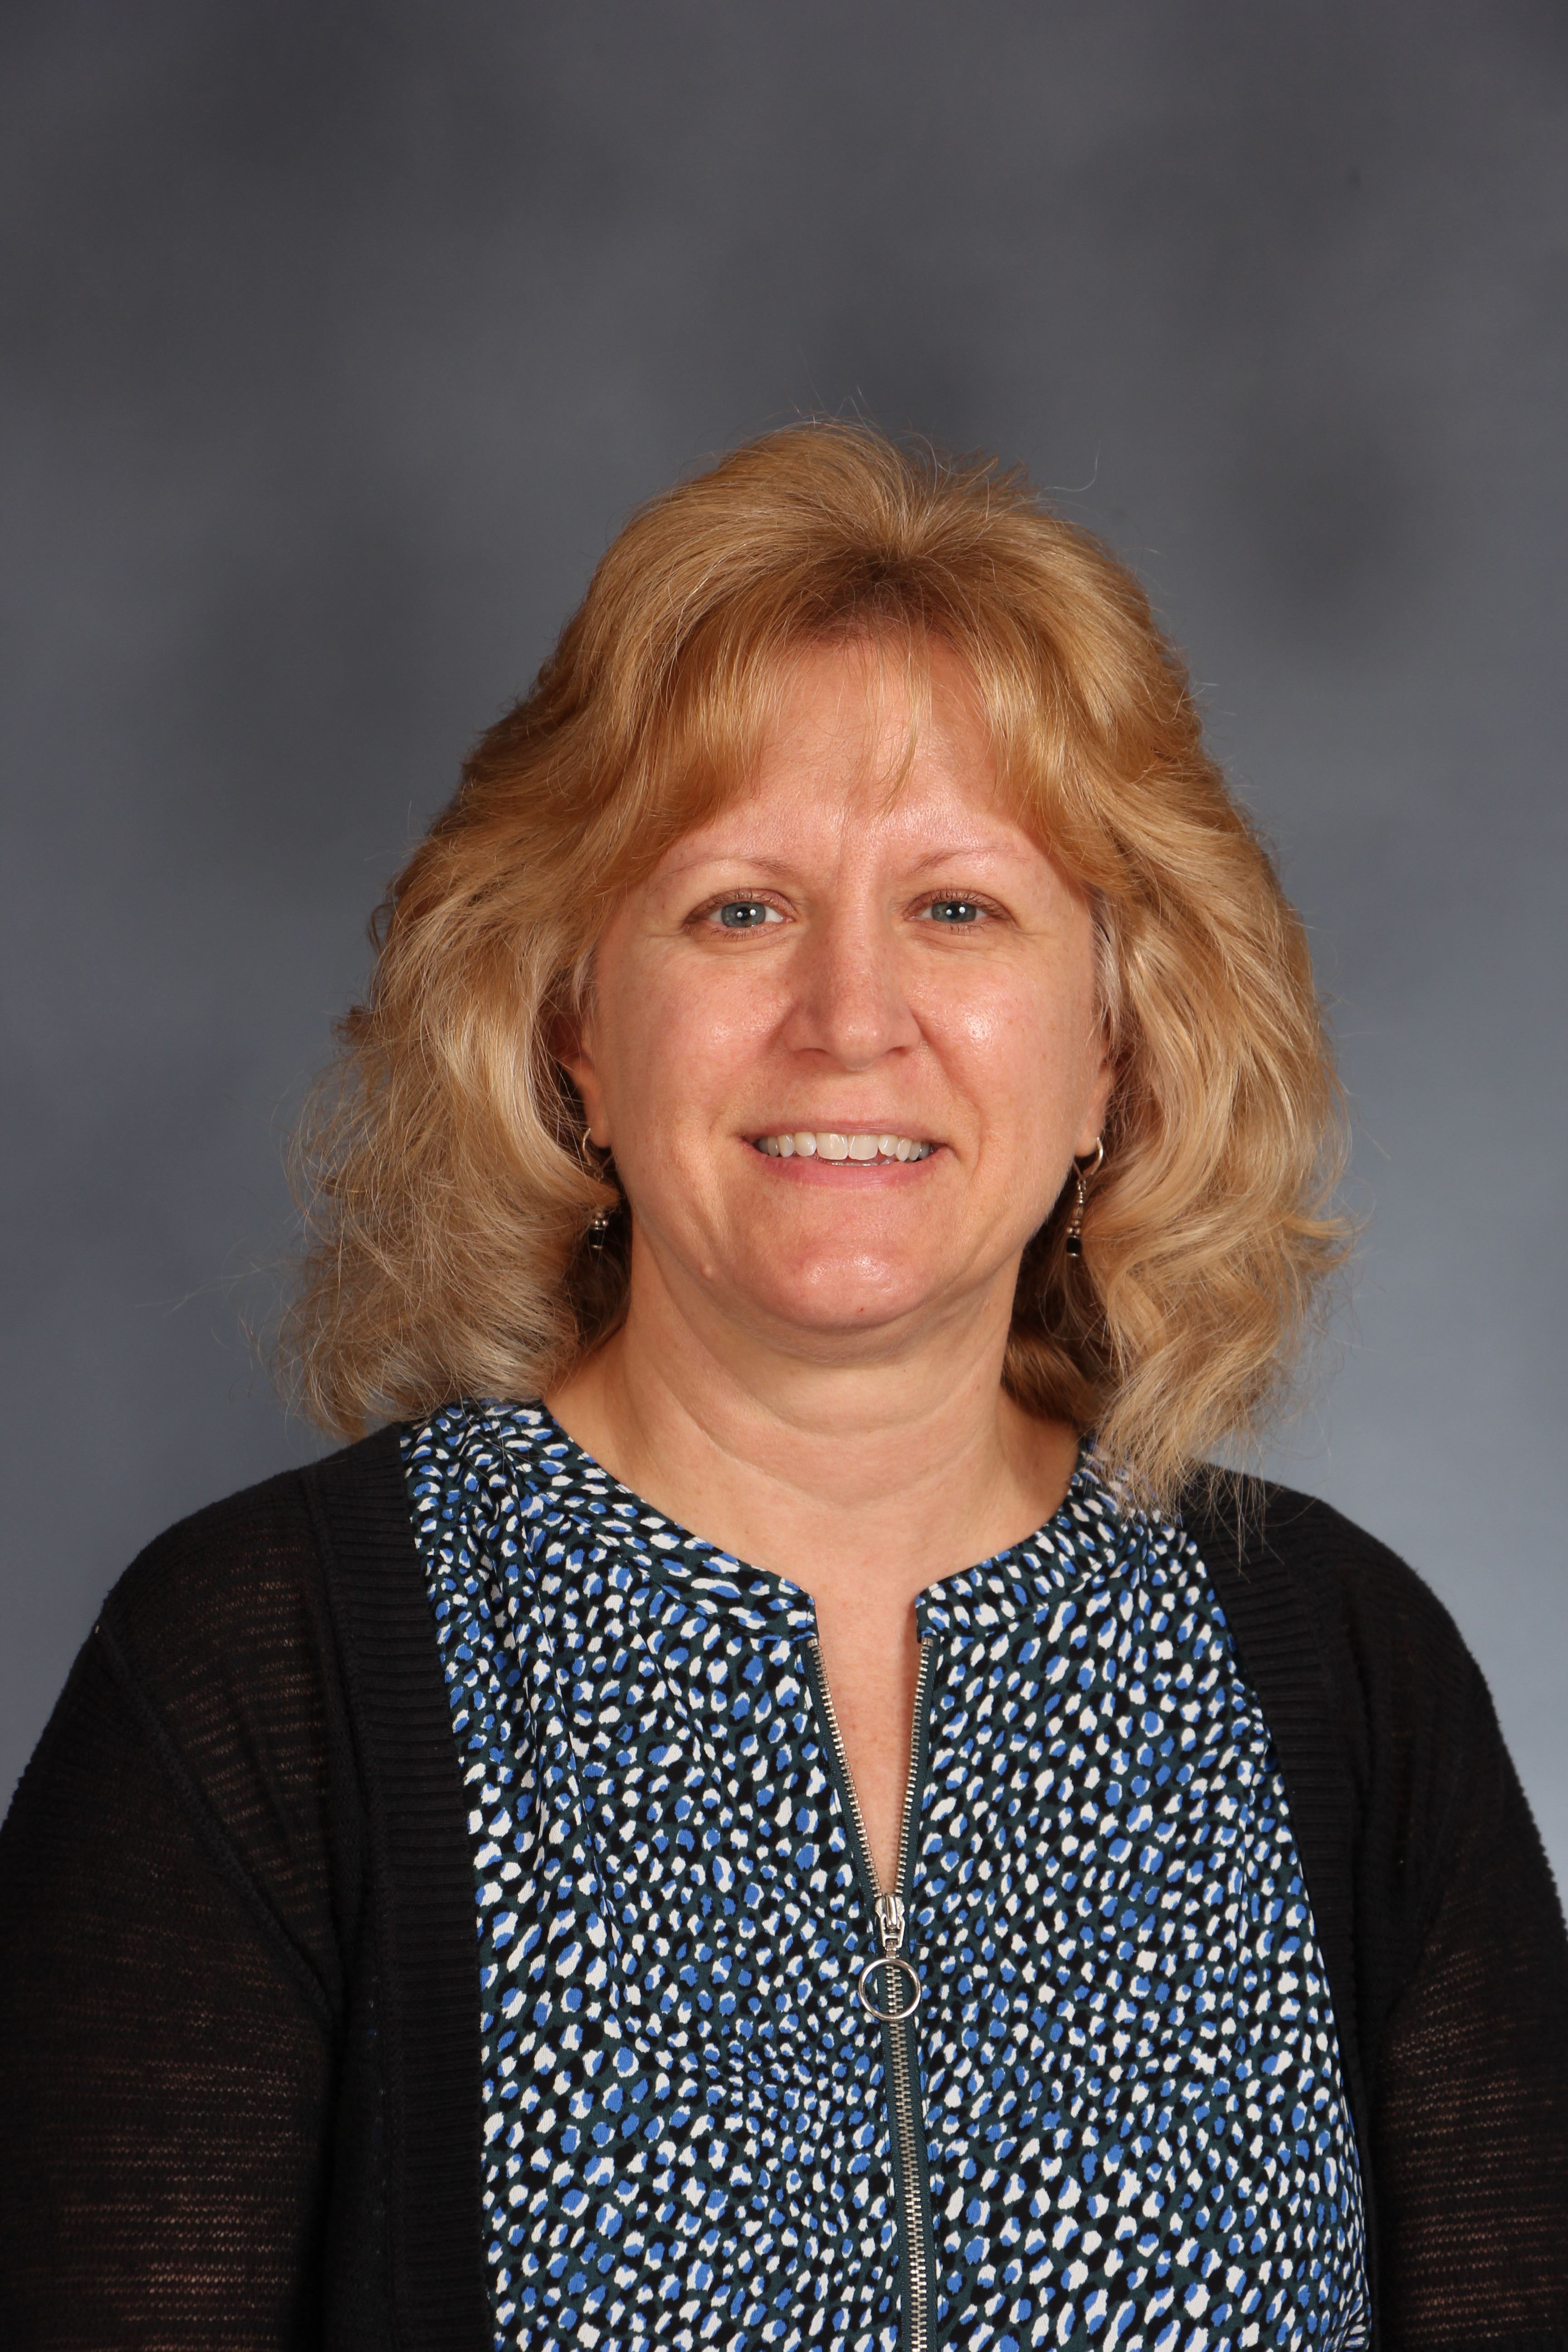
827 1144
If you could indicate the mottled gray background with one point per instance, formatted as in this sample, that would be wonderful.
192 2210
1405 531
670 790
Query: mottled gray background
339 338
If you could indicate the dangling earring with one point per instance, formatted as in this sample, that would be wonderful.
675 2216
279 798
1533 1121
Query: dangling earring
599 1223
1081 1177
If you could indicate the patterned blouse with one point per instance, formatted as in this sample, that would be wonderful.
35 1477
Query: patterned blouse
1073 2081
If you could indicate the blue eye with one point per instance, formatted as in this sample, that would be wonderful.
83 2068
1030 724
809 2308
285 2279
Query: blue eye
953 910
744 914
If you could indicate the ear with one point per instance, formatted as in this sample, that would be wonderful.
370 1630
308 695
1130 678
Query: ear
1095 1111
570 1043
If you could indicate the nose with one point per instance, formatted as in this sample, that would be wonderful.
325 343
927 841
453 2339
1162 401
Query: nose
850 1002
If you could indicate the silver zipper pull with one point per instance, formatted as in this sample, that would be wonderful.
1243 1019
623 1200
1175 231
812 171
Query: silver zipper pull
903 1985
890 1920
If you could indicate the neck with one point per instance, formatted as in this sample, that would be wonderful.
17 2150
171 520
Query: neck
860 1476
883 1470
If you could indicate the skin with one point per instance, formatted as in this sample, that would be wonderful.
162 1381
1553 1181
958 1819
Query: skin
809 1371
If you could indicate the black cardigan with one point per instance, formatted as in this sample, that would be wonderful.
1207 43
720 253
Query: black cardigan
239 2061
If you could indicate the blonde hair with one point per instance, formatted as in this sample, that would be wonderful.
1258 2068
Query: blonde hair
449 1196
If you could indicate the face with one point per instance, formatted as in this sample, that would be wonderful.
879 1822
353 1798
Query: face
843 1041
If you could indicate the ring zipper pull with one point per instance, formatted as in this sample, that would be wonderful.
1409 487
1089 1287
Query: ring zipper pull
890 1912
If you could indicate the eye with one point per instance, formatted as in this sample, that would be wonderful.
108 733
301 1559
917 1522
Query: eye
744 914
953 912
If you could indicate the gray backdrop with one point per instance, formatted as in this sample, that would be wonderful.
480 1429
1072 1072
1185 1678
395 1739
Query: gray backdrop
338 339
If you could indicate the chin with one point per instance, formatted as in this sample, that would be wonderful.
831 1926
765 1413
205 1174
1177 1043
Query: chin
841 1303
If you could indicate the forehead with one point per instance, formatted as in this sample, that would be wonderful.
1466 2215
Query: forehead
870 709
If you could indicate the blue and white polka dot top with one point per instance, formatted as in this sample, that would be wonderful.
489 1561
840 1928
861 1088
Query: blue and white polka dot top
1102 2104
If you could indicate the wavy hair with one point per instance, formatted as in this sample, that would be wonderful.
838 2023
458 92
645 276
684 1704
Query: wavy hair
448 1193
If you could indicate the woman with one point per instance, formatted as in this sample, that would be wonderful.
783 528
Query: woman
839 1134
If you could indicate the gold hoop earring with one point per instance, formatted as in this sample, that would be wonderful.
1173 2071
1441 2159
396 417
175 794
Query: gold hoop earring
1082 1178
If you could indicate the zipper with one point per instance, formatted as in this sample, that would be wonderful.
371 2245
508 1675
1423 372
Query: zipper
901 1989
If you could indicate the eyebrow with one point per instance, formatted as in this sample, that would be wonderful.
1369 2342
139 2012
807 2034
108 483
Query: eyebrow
728 857
965 849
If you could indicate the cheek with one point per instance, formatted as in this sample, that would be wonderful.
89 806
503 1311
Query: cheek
681 1038
1024 1051
1009 1038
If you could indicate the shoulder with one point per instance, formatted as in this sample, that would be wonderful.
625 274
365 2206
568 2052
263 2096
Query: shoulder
224 1638
1360 1669
1364 1602
241 1582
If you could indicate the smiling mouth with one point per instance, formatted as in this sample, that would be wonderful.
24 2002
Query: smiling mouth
830 1143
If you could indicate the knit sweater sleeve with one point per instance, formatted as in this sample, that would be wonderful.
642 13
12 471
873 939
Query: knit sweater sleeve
1458 1990
1470 2089
1436 1913
174 1907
